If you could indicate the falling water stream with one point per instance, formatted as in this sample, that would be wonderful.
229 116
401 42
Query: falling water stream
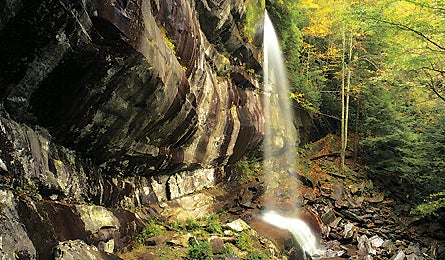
280 141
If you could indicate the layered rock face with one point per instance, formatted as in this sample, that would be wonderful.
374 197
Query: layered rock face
119 104
136 86
117 88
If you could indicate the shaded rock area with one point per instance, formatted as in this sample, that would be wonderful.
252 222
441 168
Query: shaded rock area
41 168
133 86
32 229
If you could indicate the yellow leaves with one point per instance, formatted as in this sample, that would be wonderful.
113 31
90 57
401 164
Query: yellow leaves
333 51
296 96
320 26
59 163
309 4
321 19
325 15
299 98
412 12
402 9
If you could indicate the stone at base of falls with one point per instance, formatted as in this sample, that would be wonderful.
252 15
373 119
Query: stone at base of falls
238 225
298 228
78 249
400 255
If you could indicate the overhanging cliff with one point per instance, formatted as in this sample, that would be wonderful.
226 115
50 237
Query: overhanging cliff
136 86
119 104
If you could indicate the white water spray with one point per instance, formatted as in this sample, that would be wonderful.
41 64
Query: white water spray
280 141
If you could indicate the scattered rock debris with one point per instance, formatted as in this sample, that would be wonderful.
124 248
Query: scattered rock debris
354 220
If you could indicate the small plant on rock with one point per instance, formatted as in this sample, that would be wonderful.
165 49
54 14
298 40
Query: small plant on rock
200 249
246 243
152 229
213 225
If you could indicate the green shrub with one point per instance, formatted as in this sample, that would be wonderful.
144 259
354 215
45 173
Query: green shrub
245 242
200 249
257 255
192 224
430 208
213 224
254 13
249 169
152 229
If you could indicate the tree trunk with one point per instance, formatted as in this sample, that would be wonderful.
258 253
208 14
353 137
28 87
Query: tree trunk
343 74
348 88
356 136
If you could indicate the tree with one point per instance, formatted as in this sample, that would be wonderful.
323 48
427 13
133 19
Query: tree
386 57
345 93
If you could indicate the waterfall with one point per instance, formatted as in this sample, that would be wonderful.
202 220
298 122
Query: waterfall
280 141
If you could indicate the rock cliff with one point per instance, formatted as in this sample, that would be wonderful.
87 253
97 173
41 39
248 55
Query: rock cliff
140 87
116 104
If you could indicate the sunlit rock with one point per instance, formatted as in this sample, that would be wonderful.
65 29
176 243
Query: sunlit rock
188 182
238 225
78 249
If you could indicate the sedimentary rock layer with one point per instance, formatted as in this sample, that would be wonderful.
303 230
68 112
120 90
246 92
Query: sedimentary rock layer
134 85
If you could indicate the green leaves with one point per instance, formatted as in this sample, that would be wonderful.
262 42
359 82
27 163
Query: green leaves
404 140
398 74
436 202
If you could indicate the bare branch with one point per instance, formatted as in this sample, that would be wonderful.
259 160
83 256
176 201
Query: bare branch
428 6
442 72
431 84
437 93
407 28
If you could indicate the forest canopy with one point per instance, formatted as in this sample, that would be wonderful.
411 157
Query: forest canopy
378 66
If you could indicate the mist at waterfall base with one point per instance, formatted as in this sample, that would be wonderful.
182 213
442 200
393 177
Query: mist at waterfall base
280 141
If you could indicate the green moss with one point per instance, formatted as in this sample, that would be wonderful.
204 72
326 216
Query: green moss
152 229
258 255
249 169
170 43
248 246
176 226
246 243
200 249
213 225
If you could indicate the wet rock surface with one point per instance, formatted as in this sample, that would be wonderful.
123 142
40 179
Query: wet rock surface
133 86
